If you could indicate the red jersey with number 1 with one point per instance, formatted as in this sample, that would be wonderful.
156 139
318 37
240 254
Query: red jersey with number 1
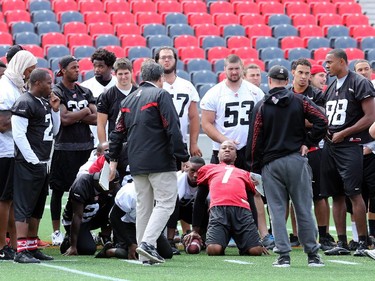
227 184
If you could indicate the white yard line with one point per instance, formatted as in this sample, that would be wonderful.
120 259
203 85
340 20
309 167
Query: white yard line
89 274
343 262
238 262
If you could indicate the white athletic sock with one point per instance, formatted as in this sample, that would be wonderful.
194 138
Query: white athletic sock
354 232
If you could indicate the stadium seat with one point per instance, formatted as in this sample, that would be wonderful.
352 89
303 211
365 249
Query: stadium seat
283 30
83 51
225 19
90 6
17 16
79 40
336 31
280 61
355 19
204 88
317 42
251 19
216 53
258 30
3 27
117 50
270 53
264 87
185 41
322 8
180 29
329 19
22 26
367 43
265 42
156 41
127 28
70 16
100 28
153 29
11 5
292 8
139 52
343 42
169 6
348 8
47 27
199 18
303 19
203 77
131 40
85 64
245 52
244 7
87 74
121 17
266 8
183 74
64 5
36 50
142 6
6 38
278 19
148 18
360 31
218 66
56 51
290 42
54 64
74 27
174 18
310 31
210 41
23 38
137 63
354 54
321 53
220 7
95 17
4 49
370 55
106 40
296 53
116 6
198 64
232 30
194 7
186 53
235 41
44 15
42 63
53 38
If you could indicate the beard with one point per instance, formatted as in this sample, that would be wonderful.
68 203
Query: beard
234 80
170 70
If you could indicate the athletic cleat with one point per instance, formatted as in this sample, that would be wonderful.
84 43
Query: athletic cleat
340 250
325 244
353 245
175 251
149 263
331 239
360 251
42 244
314 260
25 257
102 254
40 255
370 253
268 241
294 242
57 238
149 251
282 261
7 253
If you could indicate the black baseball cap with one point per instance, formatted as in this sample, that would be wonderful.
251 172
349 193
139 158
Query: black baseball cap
64 62
278 72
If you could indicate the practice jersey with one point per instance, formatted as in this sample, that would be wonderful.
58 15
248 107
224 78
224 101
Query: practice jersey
126 200
39 132
97 88
227 184
343 106
183 93
185 190
75 137
233 110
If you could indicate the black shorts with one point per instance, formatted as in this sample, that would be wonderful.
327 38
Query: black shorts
186 210
30 190
342 170
315 162
65 166
6 179
230 221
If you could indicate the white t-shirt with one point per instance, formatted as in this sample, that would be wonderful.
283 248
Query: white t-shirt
183 93
8 95
233 110
97 89
185 190
126 200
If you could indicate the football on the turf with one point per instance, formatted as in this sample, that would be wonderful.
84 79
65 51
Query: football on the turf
194 247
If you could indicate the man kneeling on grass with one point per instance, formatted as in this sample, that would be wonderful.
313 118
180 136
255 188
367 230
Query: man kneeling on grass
230 190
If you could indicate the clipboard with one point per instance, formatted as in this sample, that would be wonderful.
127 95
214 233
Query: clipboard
104 177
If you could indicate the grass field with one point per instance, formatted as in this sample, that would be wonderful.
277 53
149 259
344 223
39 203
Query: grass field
186 267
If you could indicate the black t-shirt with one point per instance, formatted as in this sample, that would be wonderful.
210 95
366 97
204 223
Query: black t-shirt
39 130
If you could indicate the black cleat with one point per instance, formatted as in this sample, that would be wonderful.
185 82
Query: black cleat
340 250
294 242
353 245
325 244
7 253
282 261
360 251
150 252
103 252
40 255
25 257
314 260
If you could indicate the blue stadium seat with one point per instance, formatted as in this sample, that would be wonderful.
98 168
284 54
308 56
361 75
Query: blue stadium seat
139 52
296 53
337 31
203 77
264 87
370 55
175 18
103 40
233 30
42 63
180 29
270 53
218 66
154 29
183 74
4 49
265 42
46 27
351 64
277 19
26 38
88 74
44 15
83 51
367 43
156 41
317 42
180 65
39 5
70 16
22 26
57 51
213 41
54 64
263 77
283 62
198 64
202 90
283 30
344 42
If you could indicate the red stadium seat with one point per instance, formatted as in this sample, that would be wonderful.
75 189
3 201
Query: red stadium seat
16 16
310 31
9 5
95 17
132 40
37 51
244 7
251 19
199 18
3 27
116 6
359 31
258 30
220 7
185 41
90 6
142 6
169 6
290 42
148 17
121 17
303 19
59 6
355 19
329 19
187 53
100 28
267 8
235 41
258 62
206 29
117 50
79 40
53 38
225 19
348 8
216 53
85 64
74 27
245 52
320 54
296 8
354 54
194 7
322 8
6 38
137 63
127 28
